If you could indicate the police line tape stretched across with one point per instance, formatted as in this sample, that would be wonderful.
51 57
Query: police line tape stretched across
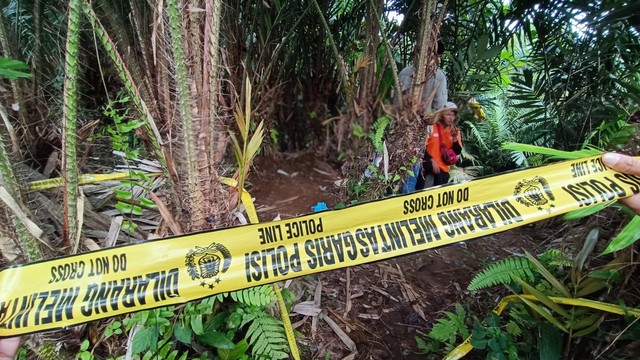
76 289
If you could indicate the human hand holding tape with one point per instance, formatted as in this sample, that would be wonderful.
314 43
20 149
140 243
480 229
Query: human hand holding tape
627 165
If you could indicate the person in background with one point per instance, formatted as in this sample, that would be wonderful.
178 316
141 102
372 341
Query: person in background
434 96
435 170
434 92
9 348
626 165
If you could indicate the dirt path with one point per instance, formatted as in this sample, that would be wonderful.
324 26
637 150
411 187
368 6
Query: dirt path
370 311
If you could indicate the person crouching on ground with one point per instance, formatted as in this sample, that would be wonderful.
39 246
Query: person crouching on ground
435 167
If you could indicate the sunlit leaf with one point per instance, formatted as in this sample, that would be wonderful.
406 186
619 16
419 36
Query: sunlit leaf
11 69
629 235
558 154
588 211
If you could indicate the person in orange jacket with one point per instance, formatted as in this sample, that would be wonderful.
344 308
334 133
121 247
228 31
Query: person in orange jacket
435 170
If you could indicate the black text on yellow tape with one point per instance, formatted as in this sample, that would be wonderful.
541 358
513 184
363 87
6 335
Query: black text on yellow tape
100 284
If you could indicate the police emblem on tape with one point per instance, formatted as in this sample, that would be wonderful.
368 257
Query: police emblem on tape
536 193
206 263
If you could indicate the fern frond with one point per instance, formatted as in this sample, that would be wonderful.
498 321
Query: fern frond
554 257
502 272
267 337
255 296
377 133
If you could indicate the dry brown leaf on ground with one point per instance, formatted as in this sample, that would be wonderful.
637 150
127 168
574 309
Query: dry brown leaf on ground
9 249
341 333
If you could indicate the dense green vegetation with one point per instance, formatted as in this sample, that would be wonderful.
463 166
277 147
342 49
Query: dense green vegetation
169 80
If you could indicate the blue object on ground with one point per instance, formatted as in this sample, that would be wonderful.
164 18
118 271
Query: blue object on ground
410 182
321 206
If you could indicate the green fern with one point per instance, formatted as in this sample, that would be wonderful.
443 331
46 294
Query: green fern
255 296
377 133
266 336
502 272
165 352
554 257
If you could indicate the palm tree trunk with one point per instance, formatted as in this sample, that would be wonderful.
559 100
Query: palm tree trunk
69 135
210 92
188 130
422 68
27 241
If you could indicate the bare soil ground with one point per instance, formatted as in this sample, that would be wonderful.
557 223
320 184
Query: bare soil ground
374 311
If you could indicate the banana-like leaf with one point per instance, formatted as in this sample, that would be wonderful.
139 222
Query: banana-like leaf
587 248
557 154
550 342
544 313
544 299
247 110
626 237
557 284
585 322
590 286
580 213
255 142
588 330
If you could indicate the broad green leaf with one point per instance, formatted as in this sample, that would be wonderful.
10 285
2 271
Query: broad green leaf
129 208
182 333
608 274
551 341
11 69
122 194
147 203
129 226
196 325
626 237
216 339
85 345
235 353
144 339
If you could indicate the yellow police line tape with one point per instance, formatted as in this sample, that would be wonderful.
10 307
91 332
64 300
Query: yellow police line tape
463 349
245 197
85 179
76 289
